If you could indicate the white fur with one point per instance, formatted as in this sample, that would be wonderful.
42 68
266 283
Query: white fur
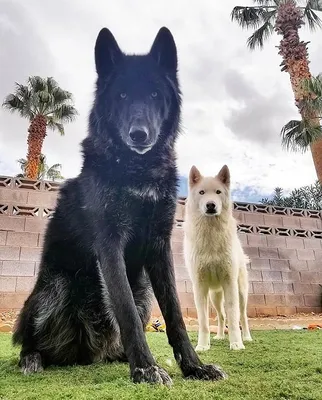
215 259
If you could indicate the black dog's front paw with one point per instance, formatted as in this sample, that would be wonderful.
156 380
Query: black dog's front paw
153 374
205 372
31 363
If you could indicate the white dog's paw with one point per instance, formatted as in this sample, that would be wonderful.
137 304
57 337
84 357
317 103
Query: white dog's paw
219 337
237 346
247 338
202 348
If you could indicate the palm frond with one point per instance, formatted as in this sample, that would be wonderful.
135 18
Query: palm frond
314 85
23 163
13 103
297 136
22 91
56 126
54 172
310 17
52 85
55 166
61 96
314 5
268 3
260 35
251 17
314 103
65 113
313 107
37 83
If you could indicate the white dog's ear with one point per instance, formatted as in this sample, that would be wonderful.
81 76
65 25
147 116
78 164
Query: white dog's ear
224 175
194 176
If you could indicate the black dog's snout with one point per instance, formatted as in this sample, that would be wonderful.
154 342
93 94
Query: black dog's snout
211 207
138 136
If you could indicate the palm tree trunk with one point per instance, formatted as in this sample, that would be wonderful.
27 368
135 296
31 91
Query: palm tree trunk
37 134
316 150
295 61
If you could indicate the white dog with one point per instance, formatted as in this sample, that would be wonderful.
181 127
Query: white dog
215 258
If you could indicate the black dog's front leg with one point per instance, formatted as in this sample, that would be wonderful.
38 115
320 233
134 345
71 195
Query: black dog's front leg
161 272
142 364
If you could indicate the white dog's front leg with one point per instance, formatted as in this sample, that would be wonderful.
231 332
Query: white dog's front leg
202 306
233 315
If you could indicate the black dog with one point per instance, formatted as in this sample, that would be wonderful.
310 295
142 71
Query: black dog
110 233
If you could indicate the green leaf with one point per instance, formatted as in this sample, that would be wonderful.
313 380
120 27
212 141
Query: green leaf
314 85
65 113
268 3
261 18
314 5
311 18
250 17
260 35
297 136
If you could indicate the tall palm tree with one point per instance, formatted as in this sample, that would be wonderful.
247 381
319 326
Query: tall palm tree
286 17
44 171
44 104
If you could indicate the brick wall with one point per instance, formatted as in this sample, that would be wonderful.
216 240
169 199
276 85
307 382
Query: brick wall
284 245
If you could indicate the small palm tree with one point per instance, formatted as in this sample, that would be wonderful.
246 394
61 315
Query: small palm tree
286 17
44 171
44 104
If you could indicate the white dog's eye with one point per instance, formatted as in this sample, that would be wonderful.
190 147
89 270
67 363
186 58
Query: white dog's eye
123 95
202 192
154 94
218 191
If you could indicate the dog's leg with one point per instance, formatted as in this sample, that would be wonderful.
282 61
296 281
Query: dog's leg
202 305
233 314
30 358
243 297
142 364
217 299
160 268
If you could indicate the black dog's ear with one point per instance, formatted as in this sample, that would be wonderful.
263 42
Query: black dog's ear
164 50
107 52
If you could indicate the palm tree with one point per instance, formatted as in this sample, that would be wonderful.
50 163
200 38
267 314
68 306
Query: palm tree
286 17
44 171
44 104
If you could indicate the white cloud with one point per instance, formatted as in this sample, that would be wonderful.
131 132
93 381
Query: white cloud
235 101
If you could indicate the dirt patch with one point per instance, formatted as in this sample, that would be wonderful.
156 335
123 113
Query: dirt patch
8 318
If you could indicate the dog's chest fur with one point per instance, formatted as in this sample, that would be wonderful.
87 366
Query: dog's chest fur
209 248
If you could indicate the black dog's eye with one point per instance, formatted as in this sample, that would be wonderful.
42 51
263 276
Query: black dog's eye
154 94
202 192
218 191
123 95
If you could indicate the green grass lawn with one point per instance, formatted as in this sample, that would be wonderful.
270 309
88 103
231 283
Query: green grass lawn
277 365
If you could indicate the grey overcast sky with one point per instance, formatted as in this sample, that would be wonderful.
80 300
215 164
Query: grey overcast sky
235 101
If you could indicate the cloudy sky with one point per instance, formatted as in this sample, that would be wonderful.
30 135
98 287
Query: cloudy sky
235 101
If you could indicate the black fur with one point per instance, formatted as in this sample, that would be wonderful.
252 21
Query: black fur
109 237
